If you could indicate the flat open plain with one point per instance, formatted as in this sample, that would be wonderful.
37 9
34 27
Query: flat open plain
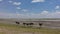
8 26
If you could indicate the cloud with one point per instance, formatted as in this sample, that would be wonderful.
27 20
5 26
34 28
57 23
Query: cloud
17 3
18 8
24 10
10 1
43 14
7 15
57 7
50 14
1 0
33 1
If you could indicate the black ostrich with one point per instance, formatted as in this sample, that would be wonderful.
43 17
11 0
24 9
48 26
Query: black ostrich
30 23
17 22
27 24
24 24
40 24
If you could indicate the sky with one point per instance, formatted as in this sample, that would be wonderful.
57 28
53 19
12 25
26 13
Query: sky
29 8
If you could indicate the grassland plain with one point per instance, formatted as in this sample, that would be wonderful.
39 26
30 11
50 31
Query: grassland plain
17 29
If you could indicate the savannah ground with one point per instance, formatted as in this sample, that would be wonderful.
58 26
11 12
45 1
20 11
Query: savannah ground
17 29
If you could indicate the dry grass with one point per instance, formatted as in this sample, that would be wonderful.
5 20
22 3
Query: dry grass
16 29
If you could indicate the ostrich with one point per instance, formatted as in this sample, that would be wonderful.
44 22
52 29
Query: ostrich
30 23
24 24
40 24
27 24
17 22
